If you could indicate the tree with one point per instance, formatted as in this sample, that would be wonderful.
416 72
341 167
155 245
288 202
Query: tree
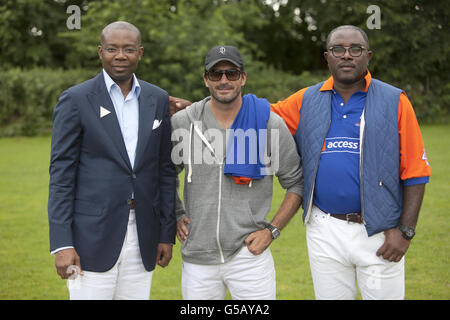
29 33
176 36
411 48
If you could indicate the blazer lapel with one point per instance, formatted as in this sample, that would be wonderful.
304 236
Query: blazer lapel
147 109
104 109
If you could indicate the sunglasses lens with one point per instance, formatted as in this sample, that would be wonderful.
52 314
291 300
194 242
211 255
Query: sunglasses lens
216 75
233 75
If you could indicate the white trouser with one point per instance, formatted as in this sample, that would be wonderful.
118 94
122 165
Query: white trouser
128 279
248 277
341 254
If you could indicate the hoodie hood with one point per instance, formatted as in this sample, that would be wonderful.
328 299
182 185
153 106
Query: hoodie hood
195 111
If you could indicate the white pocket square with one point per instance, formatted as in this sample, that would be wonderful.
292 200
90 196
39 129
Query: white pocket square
156 124
104 112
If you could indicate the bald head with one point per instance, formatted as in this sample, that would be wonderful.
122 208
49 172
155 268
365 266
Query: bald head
120 51
120 25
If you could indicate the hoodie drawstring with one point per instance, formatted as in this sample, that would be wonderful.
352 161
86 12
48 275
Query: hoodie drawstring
189 179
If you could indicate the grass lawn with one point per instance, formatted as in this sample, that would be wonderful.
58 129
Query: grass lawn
27 269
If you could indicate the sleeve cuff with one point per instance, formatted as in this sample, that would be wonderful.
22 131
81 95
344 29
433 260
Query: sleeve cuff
414 181
60 249
297 189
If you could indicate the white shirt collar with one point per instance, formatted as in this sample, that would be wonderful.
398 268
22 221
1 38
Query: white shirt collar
136 88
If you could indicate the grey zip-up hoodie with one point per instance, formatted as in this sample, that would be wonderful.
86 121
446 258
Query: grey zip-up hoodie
224 213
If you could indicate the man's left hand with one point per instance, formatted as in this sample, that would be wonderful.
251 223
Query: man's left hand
164 254
258 241
394 246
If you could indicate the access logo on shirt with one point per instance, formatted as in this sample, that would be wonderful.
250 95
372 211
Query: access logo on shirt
341 144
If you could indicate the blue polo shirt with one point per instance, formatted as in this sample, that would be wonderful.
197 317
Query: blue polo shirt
337 187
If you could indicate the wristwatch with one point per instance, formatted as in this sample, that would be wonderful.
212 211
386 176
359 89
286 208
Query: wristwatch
274 231
407 232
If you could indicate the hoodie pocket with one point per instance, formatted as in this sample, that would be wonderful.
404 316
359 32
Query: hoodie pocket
202 229
237 222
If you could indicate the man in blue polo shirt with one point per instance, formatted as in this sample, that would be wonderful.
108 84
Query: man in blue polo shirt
339 162
365 171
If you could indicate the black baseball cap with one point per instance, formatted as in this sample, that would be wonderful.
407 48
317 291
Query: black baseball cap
223 53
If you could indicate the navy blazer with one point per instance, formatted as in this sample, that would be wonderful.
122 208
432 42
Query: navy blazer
91 178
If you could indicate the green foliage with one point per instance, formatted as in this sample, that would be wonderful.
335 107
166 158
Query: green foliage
282 44
27 98
175 39
275 85
176 35
418 61
410 50
29 33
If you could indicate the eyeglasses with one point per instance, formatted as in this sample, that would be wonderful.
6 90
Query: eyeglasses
126 51
216 75
339 51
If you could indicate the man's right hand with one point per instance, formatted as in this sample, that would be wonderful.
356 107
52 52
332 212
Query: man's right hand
182 230
67 262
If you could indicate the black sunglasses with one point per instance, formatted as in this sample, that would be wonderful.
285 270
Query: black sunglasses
216 75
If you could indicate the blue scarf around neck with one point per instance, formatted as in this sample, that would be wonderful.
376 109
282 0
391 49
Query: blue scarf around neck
247 140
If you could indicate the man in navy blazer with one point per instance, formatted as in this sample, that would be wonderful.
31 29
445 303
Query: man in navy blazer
112 181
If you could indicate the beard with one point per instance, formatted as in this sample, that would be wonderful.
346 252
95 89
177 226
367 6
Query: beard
225 99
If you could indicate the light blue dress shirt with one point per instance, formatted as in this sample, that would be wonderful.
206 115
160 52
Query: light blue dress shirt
127 111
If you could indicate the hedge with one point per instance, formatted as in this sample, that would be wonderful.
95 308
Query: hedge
27 97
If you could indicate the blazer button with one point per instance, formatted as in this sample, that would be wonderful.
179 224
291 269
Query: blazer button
133 175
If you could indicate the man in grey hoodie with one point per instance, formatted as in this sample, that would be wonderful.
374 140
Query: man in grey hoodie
222 224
